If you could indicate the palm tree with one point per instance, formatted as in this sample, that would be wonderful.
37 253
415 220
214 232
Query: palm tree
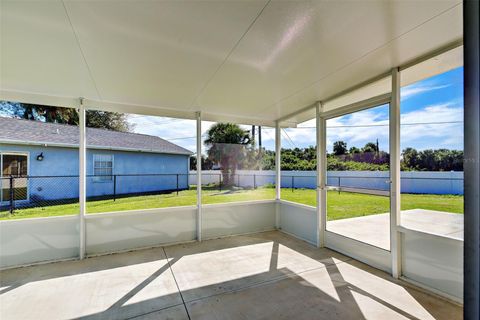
226 144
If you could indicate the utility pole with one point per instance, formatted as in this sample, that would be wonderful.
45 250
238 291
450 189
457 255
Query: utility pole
260 137
253 134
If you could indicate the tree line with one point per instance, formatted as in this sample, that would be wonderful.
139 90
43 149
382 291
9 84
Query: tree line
93 118
231 148
368 158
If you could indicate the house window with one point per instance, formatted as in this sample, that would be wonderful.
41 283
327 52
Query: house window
16 165
103 167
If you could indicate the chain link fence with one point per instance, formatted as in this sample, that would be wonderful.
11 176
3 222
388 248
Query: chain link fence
26 192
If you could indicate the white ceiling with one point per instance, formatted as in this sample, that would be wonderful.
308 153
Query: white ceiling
255 61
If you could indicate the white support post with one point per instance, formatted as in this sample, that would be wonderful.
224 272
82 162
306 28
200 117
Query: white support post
321 132
278 172
395 191
199 176
82 178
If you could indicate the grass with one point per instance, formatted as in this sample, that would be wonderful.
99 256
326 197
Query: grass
339 205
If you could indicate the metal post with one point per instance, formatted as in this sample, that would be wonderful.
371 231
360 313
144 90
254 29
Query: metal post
12 195
278 172
220 182
114 187
177 184
395 175
199 176
321 131
82 178
293 183
471 52
254 181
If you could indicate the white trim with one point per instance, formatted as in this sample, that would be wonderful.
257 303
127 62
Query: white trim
375 192
99 215
151 110
38 98
237 203
426 234
299 205
22 220
358 106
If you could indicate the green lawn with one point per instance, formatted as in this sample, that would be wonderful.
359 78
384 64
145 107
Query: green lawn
340 205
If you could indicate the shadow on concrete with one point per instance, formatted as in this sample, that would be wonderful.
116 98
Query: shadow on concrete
272 294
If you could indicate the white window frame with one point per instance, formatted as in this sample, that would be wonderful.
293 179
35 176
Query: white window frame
100 178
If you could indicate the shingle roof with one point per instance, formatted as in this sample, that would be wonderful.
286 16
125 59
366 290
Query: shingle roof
36 132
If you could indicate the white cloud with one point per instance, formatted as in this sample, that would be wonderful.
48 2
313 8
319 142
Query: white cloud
183 131
433 128
418 88
446 132
356 129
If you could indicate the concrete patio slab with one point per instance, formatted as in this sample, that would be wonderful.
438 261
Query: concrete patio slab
117 286
348 290
260 276
375 229
229 264
173 313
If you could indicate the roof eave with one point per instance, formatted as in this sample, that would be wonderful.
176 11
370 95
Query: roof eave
67 145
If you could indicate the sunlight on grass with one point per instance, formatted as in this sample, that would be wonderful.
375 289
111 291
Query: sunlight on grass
340 205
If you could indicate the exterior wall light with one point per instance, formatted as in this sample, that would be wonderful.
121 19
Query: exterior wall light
40 157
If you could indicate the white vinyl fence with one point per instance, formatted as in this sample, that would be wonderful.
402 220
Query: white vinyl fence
428 182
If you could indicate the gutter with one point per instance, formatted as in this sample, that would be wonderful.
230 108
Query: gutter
68 145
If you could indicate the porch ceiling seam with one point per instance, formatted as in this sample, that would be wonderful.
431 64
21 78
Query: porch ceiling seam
229 54
77 41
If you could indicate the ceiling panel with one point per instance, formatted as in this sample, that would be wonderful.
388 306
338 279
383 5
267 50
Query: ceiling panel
38 51
158 53
294 45
424 39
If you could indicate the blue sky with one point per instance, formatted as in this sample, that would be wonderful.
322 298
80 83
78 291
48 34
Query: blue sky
426 107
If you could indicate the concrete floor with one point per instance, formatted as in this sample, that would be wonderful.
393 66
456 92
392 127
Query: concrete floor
262 276
375 229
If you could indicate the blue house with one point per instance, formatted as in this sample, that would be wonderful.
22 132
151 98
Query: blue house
43 160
